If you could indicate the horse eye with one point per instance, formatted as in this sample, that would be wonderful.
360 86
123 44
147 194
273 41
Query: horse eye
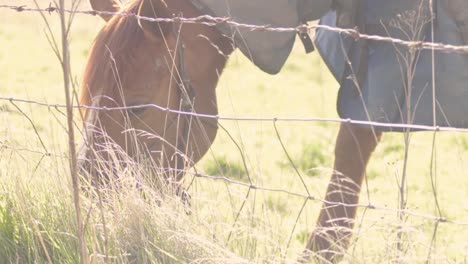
134 110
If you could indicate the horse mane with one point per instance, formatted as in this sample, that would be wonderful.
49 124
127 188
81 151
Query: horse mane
110 54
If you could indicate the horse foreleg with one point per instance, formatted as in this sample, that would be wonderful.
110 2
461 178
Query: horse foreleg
353 149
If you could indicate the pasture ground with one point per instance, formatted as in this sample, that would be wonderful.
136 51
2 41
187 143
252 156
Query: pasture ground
36 208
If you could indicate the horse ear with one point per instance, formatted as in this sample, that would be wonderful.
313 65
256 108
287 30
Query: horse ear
154 9
105 5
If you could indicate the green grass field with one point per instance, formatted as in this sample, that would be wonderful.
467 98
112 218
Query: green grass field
37 221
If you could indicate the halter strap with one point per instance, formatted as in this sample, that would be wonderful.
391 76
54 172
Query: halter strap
187 99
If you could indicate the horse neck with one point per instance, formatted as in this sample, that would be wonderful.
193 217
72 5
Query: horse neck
205 50
205 54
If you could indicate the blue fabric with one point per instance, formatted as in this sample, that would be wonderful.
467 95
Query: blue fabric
382 94
268 50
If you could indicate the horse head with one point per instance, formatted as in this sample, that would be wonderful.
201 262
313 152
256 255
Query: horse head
140 75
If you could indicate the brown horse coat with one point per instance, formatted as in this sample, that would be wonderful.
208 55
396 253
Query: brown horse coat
136 62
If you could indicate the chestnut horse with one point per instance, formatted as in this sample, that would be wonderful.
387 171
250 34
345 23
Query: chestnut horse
135 62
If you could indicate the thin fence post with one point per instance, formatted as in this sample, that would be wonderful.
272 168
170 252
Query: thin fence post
71 136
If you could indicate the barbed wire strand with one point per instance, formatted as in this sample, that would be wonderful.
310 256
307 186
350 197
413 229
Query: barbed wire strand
215 21
247 118
253 186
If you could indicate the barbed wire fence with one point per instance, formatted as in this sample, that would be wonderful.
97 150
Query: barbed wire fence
437 219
